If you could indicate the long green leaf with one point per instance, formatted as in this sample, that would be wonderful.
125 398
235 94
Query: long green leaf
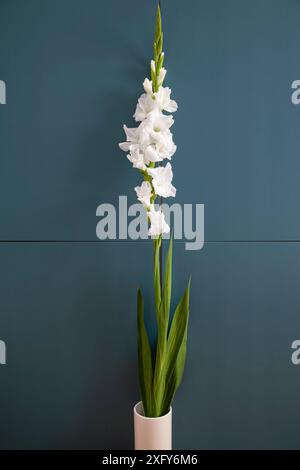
175 379
176 348
157 273
167 289
163 324
144 358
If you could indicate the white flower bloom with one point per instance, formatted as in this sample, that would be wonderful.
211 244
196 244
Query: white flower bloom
161 76
151 141
158 224
156 139
150 102
136 157
144 193
146 105
160 149
164 101
162 179
148 86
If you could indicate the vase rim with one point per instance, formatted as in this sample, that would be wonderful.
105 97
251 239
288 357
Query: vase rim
136 412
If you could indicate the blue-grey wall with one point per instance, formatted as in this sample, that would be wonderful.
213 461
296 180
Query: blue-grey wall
73 70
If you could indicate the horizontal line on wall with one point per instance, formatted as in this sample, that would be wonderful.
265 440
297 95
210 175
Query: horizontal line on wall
147 241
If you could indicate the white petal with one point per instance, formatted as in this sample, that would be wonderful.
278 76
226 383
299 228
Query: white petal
131 133
158 224
162 178
163 98
136 157
144 107
144 193
171 107
151 155
125 146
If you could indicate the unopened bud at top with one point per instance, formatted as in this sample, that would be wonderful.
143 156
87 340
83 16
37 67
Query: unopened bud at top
161 76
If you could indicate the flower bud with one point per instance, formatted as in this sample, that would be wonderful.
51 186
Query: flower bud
148 86
161 76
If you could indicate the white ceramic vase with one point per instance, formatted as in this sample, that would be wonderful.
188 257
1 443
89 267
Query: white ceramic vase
152 433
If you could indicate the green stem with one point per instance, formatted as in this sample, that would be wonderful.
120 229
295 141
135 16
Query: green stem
161 256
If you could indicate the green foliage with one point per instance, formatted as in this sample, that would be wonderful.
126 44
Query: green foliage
159 382
144 358
176 349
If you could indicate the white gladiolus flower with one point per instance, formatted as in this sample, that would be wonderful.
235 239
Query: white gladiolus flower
150 143
158 224
161 147
156 138
136 157
144 193
153 128
162 179
164 101
150 102
132 136
146 105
